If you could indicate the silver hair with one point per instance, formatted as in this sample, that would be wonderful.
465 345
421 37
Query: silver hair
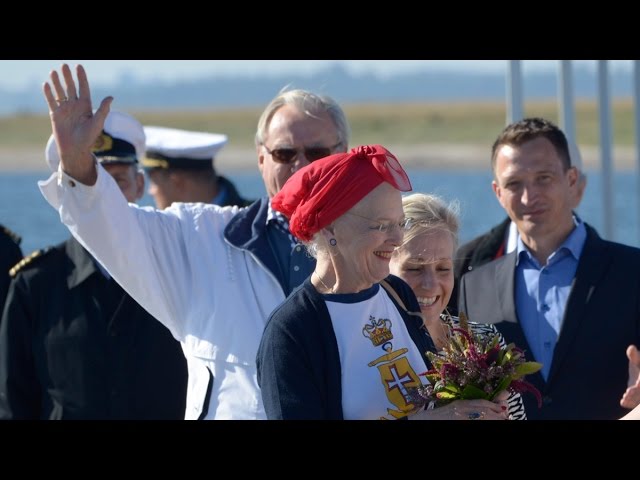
312 105
318 245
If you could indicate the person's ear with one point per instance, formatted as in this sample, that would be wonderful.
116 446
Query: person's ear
260 153
573 175
496 189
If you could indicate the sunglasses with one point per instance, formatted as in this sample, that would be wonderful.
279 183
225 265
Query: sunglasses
288 155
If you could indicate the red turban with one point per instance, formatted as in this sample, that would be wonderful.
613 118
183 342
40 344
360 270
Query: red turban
324 190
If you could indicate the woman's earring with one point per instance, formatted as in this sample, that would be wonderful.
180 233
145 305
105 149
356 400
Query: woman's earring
333 242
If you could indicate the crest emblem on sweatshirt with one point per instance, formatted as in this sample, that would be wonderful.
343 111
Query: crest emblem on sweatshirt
378 330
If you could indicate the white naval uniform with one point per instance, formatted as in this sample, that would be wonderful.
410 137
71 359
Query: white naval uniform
214 298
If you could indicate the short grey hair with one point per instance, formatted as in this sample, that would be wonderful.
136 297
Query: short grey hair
312 105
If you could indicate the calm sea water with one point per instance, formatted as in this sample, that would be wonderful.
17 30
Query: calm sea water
24 210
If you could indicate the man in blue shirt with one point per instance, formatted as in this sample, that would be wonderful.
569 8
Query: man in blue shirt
565 296
502 238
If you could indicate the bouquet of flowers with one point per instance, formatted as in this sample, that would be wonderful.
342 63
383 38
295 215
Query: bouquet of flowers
476 367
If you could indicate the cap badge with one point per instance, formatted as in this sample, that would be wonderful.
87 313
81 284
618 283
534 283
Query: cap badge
104 143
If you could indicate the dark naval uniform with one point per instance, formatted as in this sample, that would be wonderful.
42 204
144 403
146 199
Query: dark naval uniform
231 195
74 345
10 254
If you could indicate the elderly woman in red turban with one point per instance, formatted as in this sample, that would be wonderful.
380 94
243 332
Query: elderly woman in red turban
341 347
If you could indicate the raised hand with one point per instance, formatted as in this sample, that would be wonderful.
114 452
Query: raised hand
74 125
631 397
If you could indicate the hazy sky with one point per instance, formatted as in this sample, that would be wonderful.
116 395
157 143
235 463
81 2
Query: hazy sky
18 74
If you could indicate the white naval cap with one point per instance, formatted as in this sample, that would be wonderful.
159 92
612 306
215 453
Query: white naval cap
121 141
175 148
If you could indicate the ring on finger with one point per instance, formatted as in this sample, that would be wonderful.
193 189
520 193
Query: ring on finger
476 416
61 100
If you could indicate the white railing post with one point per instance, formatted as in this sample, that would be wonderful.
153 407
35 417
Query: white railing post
604 107
565 100
515 103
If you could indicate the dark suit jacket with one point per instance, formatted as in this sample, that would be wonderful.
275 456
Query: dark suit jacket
482 249
590 369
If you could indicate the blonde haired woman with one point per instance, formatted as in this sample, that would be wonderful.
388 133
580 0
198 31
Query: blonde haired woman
425 261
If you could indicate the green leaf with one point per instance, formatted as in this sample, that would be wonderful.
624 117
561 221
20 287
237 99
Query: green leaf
503 385
472 392
508 352
449 387
446 396
501 357
527 368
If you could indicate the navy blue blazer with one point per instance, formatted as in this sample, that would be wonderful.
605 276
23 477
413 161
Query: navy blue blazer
589 371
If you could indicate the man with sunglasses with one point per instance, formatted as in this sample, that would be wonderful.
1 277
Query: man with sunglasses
211 274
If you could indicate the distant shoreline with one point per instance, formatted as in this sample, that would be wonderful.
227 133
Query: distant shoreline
427 156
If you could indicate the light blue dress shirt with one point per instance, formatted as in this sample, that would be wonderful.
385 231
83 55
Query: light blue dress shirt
541 294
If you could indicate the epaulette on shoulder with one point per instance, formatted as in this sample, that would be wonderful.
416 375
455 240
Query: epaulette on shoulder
11 234
28 260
